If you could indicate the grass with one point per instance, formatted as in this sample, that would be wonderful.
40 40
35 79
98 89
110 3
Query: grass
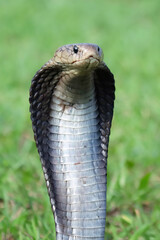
128 32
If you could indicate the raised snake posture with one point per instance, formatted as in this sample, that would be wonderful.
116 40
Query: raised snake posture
71 105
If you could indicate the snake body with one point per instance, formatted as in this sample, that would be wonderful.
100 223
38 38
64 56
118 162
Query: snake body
71 105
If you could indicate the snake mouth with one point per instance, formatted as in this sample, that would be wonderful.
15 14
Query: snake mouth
95 58
91 58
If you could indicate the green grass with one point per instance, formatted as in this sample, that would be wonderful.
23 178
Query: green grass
128 32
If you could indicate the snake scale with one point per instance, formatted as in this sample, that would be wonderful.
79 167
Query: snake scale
71 105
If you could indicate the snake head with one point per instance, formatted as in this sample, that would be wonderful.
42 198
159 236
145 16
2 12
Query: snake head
79 56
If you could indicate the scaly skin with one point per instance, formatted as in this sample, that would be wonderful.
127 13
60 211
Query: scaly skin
71 104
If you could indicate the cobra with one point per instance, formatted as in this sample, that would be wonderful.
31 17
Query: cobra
71 105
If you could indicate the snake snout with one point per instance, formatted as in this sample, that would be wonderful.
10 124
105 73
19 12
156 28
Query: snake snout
96 53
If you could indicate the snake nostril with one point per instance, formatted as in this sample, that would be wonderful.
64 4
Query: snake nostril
98 49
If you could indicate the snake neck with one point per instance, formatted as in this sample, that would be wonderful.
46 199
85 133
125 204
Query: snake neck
75 88
78 174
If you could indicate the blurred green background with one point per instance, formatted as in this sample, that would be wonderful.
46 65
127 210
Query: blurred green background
129 34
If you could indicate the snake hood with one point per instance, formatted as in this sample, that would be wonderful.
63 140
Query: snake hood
71 105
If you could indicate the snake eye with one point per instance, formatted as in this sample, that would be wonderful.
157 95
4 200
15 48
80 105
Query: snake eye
75 49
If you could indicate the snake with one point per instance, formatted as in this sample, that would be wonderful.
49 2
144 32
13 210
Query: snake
71 105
